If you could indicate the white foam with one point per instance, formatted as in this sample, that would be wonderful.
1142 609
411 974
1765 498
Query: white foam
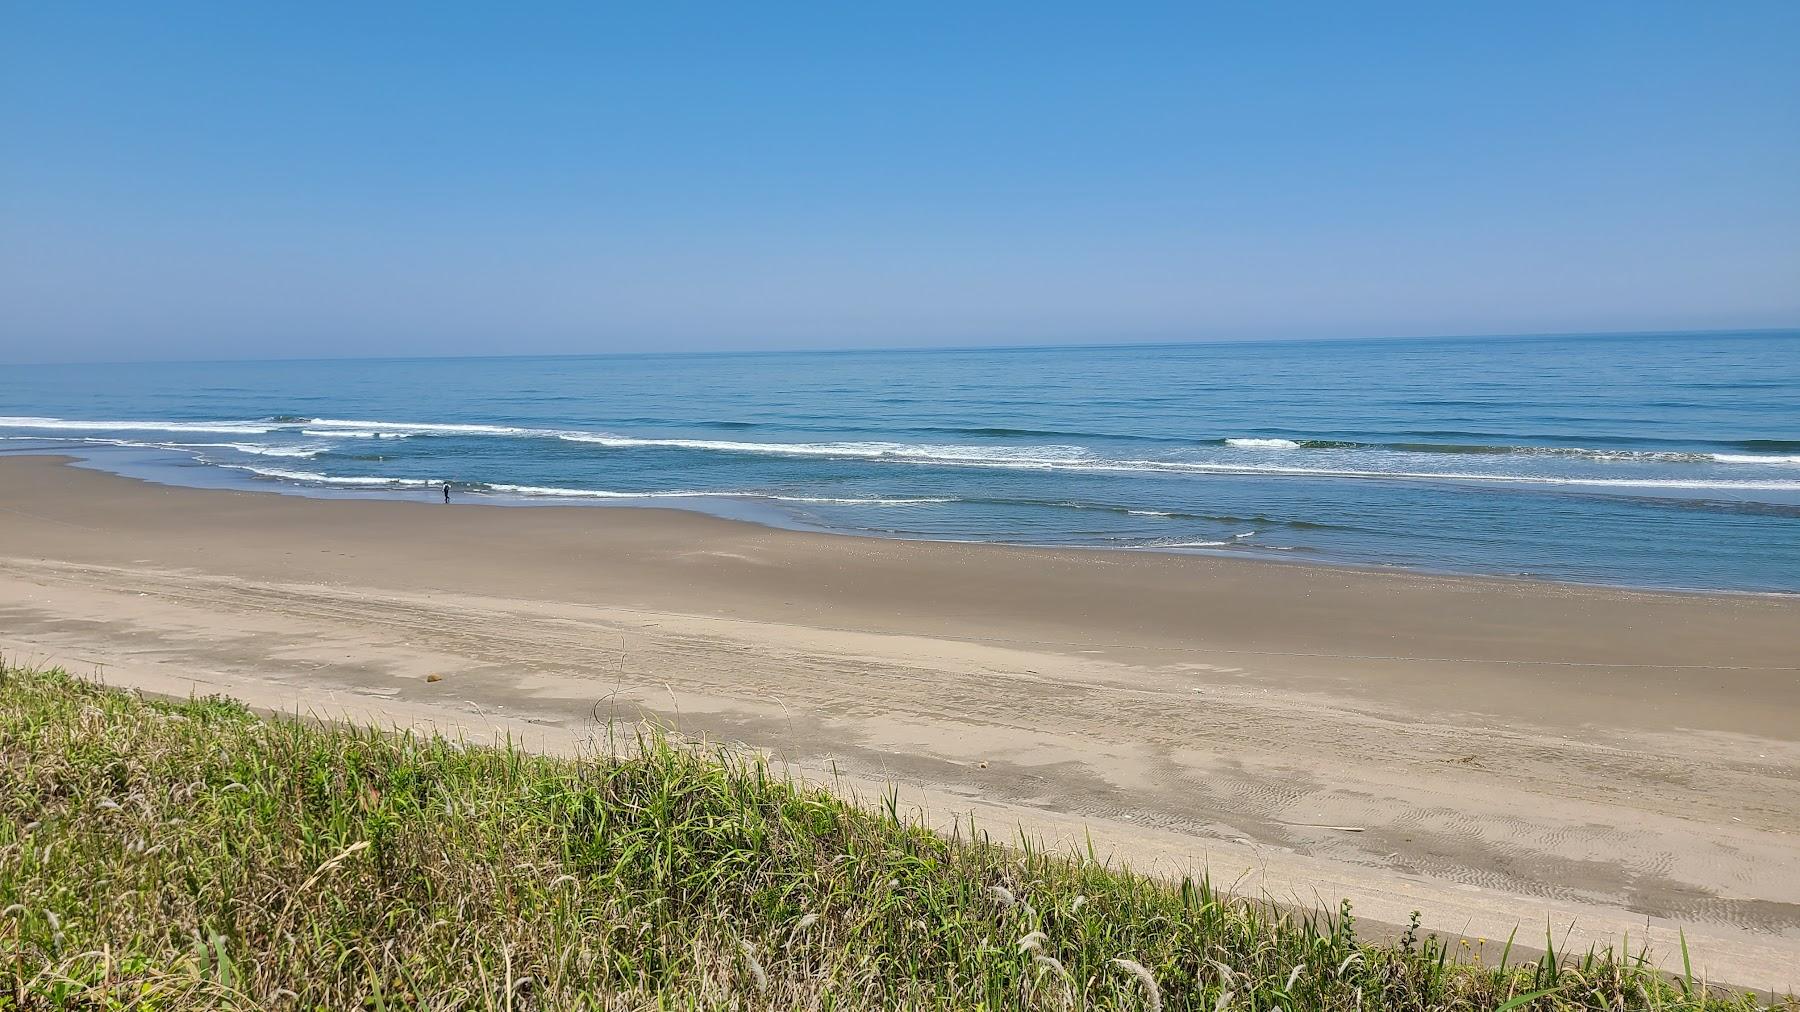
594 493
1526 479
100 440
1670 456
354 434
1039 458
364 425
333 479
1073 458
67 424
924 452
253 448
857 502
1183 467
1585 453
573 493
1757 458
261 450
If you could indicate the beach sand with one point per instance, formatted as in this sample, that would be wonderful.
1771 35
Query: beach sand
1494 753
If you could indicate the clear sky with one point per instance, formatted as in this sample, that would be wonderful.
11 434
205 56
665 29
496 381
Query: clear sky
260 180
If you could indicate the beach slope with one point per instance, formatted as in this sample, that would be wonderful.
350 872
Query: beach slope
1494 753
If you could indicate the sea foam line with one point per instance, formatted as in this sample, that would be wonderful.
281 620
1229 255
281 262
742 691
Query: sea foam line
976 453
590 493
1041 457
1757 458
1253 470
1070 458
860 450
244 428
257 449
1263 444
313 477
354 434
1510 450
354 425
332 479
364 428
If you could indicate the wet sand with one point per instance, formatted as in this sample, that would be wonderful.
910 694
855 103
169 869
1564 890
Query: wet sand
1491 752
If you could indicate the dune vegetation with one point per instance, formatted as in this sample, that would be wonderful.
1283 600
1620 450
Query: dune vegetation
192 854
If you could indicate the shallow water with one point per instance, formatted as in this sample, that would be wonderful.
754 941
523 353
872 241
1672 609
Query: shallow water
1646 460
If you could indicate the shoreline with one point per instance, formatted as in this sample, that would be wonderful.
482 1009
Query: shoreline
92 458
1484 750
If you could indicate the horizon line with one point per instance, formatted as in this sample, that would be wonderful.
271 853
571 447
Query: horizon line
1793 331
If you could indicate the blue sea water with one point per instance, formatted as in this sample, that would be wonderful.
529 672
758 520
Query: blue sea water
1651 460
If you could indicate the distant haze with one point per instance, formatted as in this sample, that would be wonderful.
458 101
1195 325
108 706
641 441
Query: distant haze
255 181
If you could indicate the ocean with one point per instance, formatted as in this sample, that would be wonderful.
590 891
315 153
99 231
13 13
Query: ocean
1644 460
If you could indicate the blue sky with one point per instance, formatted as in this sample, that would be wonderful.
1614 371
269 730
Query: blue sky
245 180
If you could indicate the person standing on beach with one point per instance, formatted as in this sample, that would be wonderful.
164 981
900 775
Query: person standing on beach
446 491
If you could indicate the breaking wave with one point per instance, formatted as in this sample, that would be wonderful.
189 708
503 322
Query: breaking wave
543 491
1387 461
245 428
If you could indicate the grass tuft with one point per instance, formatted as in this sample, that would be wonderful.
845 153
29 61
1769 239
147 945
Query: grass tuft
191 855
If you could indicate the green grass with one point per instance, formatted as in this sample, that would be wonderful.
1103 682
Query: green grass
167 855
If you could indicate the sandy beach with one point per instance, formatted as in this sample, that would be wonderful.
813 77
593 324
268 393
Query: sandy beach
1494 753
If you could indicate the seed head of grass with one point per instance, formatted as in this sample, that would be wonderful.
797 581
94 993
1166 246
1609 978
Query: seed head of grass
1152 994
754 965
